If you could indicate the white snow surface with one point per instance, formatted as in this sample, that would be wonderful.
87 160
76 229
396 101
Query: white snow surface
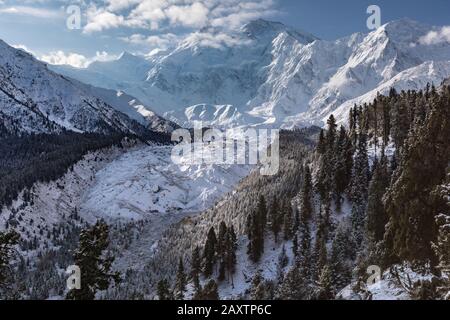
145 182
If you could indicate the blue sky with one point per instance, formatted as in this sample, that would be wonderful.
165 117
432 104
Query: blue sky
111 26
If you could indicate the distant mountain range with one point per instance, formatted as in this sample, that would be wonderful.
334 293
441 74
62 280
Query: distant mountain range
34 99
270 74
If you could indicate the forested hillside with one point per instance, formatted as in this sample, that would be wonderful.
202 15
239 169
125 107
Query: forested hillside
374 193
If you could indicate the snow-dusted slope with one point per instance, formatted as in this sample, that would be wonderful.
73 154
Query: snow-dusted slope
35 99
145 181
129 106
269 73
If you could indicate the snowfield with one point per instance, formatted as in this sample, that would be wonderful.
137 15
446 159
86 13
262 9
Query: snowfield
145 181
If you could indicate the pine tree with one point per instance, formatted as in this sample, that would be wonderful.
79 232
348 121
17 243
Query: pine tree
295 246
342 171
321 143
320 250
340 258
409 204
196 268
209 292
180 282
293 286
256 227
360 182
221 250
95 267
304 258
325 176
275 218
163 290
307 210
231 248
325 289
376 214
7 242
287 221
209 254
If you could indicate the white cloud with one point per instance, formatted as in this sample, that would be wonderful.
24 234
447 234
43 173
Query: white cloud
163 41
74 59
100 19
31 11
214 40
436 37
194 15
118 5
155 14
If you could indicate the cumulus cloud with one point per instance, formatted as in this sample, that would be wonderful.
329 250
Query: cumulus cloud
163 41
74 59
214 40
31 11
194 15
100 19
154 14
436 37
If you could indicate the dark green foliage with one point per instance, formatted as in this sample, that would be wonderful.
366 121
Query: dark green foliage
256 226
275 218
7 242
95 267
42 158
196 268
180 281
209 292
163 290
409 203
209 254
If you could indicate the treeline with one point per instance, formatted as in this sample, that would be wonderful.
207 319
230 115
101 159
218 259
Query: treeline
396 203
29 159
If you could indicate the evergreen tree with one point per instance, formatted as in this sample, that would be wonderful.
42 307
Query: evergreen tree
342 171
360 182
409 204
287 221
295 246
209 292
7 242
304 258
196 268
95 267
163 290
256 227
231 247
209 255
221 250
376 214
307 210
325 288
180 282
321 147
275 218
340 258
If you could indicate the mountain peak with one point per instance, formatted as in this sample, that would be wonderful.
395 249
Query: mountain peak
405 29
261 28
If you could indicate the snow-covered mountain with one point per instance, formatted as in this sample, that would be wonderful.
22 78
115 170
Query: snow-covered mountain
34 99
268 73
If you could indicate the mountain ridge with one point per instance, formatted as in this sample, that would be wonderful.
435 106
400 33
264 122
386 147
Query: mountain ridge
269 74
